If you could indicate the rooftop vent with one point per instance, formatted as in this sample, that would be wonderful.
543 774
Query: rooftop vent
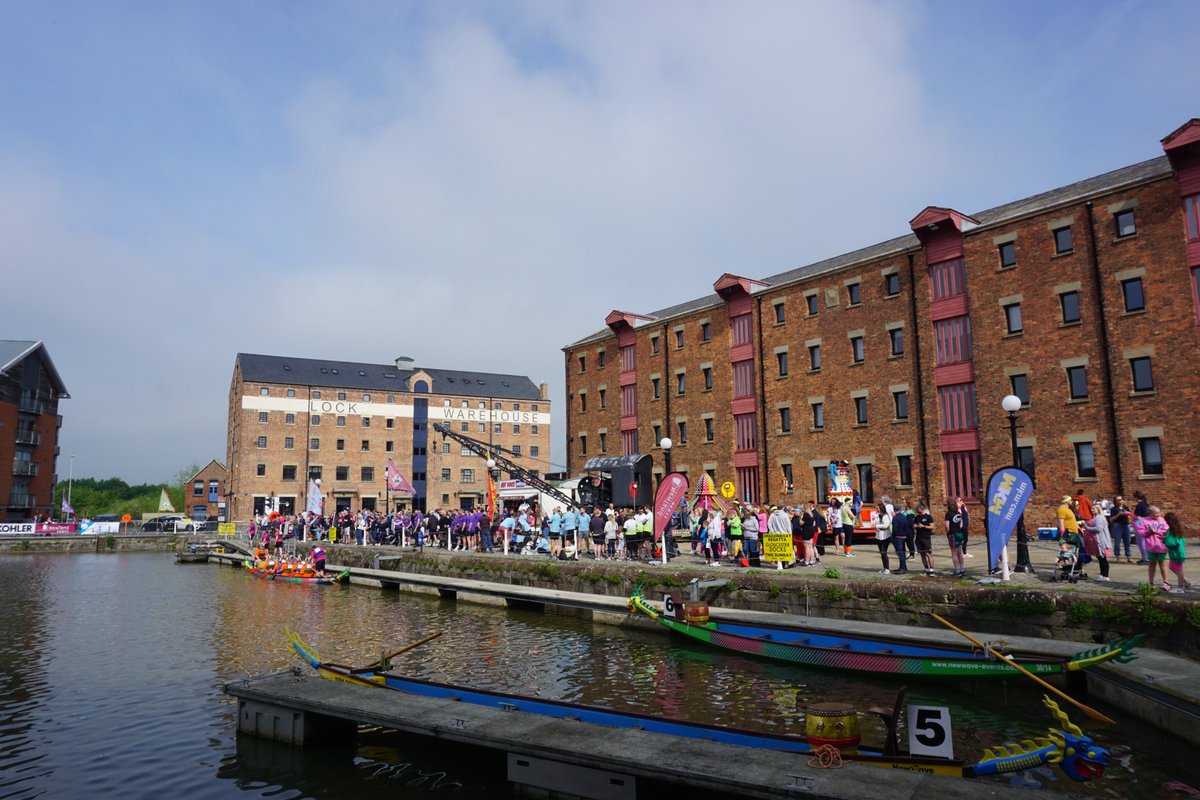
335 371
324 371
287 367
404 363
360 372
389 375
449 380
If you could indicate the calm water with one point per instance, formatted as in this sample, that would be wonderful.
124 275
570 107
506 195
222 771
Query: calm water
111 669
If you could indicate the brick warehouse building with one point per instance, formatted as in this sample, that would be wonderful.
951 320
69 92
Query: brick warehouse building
341 421
1083 301
30 389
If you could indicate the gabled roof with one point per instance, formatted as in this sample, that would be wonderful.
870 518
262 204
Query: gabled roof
206 466
1115 180
382 377
14 351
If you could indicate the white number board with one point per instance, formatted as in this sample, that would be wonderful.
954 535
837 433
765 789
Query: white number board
669 609
929 732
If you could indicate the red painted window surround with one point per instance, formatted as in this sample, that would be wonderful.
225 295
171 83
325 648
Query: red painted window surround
747 483
947 279
743 379
628 442
743 405
963 478
741 329
627 357
745 428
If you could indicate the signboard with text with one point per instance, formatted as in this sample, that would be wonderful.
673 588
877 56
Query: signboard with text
778 547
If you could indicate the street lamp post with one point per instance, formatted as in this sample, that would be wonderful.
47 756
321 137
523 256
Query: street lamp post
1012 404
665 443
70 481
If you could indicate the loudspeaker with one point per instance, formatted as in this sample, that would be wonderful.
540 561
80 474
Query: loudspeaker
632 484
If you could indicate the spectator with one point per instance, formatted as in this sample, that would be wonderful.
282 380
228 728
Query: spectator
1083 507
1176 551
1120 519
902 536
923 533
1104 543
883 535
1067 521
1152 530
1141 510
955 535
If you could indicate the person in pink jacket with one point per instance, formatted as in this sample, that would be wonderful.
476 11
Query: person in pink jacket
1153 531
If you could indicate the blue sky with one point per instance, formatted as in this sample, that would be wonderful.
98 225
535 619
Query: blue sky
478 184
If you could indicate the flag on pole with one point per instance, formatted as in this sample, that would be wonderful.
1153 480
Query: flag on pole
66 508
164 502
397 482
315 499
493 496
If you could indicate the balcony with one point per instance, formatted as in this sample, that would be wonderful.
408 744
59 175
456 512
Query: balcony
22 500
29 437
24 468
30 405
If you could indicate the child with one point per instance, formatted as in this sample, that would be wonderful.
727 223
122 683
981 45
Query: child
1152 531
1176 550
1066 556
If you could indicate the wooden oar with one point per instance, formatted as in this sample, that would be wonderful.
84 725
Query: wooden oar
1091 712
390 656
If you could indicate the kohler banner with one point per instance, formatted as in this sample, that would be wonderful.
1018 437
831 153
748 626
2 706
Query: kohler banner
1008 492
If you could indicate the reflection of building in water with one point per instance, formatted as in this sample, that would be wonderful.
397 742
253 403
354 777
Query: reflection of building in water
292 420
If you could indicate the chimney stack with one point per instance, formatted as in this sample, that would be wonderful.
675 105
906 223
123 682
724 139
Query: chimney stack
404 363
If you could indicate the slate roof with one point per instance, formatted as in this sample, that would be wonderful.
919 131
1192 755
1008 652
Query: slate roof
14 351
382 377
1064 195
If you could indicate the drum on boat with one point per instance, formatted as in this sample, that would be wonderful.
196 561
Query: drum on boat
832 723
695 613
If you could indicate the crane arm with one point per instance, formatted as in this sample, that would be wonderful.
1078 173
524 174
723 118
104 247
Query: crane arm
496 453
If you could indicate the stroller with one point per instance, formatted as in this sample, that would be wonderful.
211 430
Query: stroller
1072 557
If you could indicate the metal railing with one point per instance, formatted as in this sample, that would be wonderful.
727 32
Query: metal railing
24 467
16 500
28 437
31 406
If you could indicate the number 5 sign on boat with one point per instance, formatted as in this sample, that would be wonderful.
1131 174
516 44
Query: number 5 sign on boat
929 732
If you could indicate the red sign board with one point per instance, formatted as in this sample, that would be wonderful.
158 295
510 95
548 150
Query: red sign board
672 490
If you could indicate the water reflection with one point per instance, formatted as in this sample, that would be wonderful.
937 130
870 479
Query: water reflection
111 668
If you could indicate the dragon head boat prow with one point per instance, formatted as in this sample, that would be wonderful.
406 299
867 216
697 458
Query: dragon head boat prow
1067 746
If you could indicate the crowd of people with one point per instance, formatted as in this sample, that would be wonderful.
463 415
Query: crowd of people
1103 529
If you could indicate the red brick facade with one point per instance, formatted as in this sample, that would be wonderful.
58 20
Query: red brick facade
1099 278
30 389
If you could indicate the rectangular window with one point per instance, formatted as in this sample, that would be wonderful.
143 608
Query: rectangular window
367 474
582 364
654 345
891 284
366 445
1025 461
628 357
533 451
288 443
603 398
963 478
814 357
681 427
656 430
582 402
1077 382
947 279
1143 378
498 427
821 484
708 429
856 349
958 407
260 470
785 420
340 444
900 400
316 419
780 314
680 383
389 446
445 473
655 388
866 482
679 339
583 444
601 359
314 444
604 443
628 403
708 383
1191 210
389 423
341 422
1125 223
263 416
1062 241
314 472
1012 318
904 469
781 362
341 395
811 302
1020 387
316 394
197 488
855 292
705 331
745 431
743 379
366 422
1070 307
291 392
741 329
787 477
289 472
897 338
1131 293
516 430
516 449
1008 255
466 476
262 441
1085 460
860 410
1151 450
341 474
264 391
289 419
952 340
482 427
533 430
818 416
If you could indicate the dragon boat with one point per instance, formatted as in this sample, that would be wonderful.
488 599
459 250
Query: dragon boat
272 572
876 655
1066 746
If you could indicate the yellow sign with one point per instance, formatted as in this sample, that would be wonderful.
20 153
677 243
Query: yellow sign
226 528
728 489
778 547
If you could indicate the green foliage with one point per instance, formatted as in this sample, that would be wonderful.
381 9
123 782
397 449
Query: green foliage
1015 606
904 600
92 496
1080 613
835 594
773 591
831 572
1193 616
1145 604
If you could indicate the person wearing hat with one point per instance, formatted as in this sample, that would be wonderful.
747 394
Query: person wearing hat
1068 523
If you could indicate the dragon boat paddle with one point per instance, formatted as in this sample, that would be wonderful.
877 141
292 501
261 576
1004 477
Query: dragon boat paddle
1091 712
382 663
